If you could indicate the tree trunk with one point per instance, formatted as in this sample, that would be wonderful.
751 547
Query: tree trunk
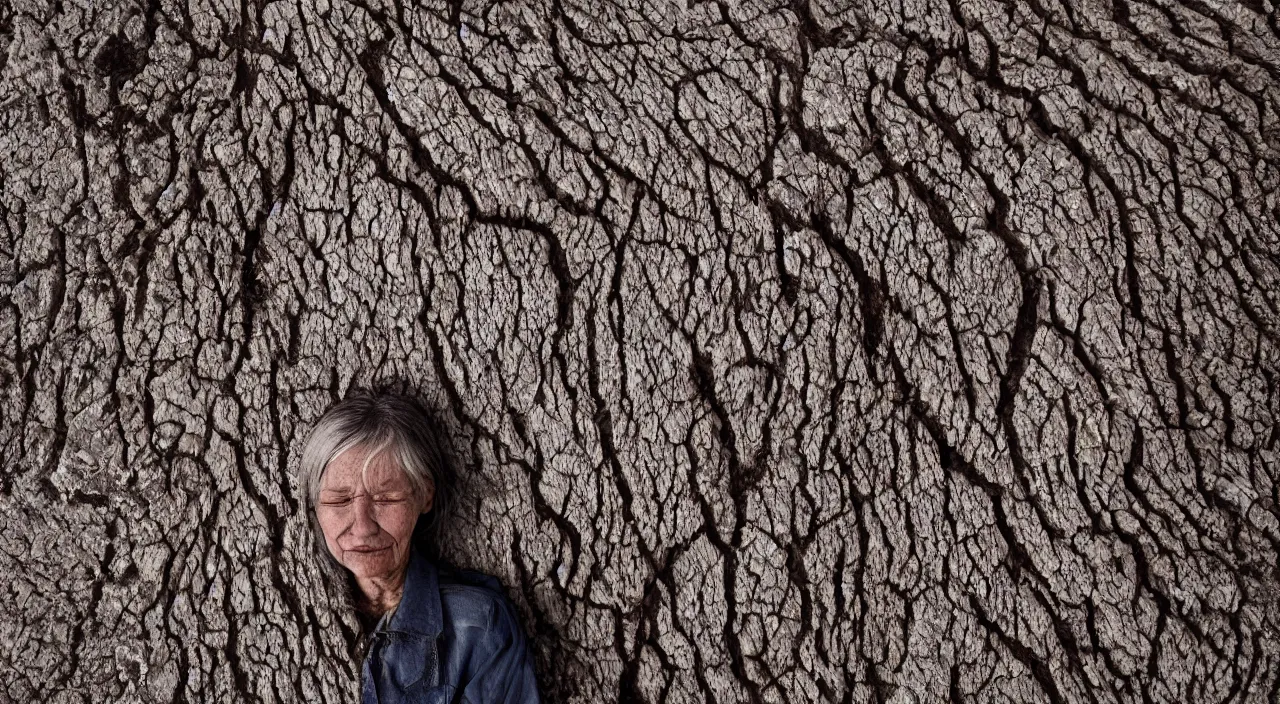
910 352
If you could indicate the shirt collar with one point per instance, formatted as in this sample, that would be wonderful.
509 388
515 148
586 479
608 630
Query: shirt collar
419 610
407 654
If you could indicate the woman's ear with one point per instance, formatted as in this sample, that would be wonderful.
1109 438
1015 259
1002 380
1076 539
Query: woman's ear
428 496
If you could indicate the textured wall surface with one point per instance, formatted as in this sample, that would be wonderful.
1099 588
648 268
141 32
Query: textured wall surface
872 351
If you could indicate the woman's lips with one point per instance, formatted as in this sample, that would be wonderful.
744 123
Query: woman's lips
366 549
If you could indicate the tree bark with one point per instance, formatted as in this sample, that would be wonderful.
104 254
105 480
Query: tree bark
901 352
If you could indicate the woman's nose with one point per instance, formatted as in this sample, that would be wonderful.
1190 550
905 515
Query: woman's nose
363 523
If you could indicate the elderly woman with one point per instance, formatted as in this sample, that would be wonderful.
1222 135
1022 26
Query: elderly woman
376 484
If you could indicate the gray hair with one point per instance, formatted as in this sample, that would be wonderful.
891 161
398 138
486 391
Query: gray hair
384 421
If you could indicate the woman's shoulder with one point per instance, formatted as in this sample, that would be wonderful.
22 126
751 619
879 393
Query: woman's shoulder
483 651
471 599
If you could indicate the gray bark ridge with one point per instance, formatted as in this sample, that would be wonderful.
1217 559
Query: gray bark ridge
792 352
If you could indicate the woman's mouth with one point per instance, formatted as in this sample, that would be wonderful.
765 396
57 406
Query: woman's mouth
365 549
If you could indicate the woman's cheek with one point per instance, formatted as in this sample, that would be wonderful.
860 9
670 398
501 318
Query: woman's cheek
328 524
398 521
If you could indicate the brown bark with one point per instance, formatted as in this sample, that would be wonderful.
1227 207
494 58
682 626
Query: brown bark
902 352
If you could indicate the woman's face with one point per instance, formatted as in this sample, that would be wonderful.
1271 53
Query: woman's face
368 517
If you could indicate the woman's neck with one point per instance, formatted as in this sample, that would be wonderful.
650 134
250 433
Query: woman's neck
378 595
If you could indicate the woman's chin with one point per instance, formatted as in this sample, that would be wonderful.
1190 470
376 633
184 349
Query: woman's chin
369 564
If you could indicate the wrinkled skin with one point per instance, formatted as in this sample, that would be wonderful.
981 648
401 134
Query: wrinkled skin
367 516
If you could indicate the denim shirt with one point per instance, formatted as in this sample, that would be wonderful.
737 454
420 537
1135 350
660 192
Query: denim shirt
453 638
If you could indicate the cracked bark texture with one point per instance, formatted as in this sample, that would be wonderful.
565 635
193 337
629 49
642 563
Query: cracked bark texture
793 351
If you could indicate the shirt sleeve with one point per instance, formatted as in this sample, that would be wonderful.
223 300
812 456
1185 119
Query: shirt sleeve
506 675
